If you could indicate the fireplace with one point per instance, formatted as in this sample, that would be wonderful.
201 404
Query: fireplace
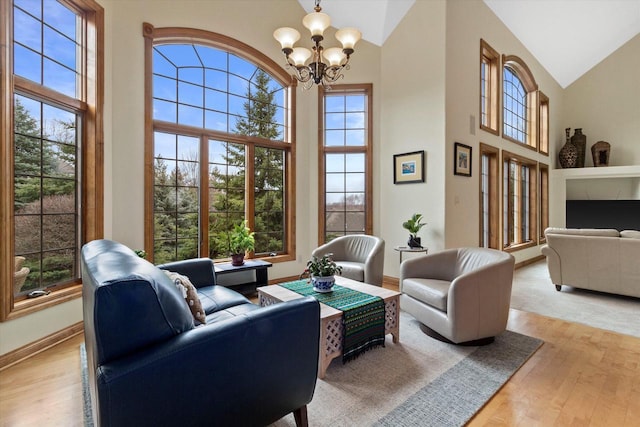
618 214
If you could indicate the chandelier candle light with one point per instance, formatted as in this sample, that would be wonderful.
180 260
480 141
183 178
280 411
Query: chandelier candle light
317 71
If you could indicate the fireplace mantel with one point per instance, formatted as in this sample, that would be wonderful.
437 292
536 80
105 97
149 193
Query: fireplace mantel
561 178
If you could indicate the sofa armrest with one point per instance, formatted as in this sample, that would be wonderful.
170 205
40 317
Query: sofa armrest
553 264
249 370
200 271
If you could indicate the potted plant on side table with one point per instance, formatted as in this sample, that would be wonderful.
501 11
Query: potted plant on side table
241 240
413 225
322 272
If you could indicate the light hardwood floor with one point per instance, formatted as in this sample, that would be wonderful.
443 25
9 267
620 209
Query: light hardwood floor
581 376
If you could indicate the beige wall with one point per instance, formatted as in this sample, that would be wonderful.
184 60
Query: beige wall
412 118
605 103
467 23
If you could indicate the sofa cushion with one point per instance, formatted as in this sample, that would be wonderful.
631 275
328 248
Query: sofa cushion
190 294
601 232
218 297
430 291
630 234
352 270
231 312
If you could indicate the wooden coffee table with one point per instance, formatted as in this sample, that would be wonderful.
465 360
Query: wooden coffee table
331 318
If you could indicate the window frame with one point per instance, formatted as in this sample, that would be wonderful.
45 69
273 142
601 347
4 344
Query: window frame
177 35
522 72
543 201
367 149
491 57
508 157
494 200
91 184
543 119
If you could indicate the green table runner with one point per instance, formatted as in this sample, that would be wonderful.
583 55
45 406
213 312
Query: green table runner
363 318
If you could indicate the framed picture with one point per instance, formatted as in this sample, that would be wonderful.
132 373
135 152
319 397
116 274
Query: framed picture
408 167
462 159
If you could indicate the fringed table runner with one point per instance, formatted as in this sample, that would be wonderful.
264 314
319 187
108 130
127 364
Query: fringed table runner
363 316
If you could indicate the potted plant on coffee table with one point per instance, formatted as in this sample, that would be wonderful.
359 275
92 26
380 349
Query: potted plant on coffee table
322 271
241 241
413 225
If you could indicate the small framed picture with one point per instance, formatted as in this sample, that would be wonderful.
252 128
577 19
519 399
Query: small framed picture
408 167
462 159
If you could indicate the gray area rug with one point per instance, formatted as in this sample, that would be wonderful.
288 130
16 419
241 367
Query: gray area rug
86 398
534 292
419 381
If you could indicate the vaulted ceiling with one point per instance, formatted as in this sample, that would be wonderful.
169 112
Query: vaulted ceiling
568 37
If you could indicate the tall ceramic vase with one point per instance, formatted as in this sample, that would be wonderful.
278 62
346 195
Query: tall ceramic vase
580 141
568 155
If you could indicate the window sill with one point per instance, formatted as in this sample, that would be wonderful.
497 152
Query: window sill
520 246
28 306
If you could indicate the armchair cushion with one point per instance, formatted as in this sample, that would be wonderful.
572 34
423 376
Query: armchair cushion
431 291
352 270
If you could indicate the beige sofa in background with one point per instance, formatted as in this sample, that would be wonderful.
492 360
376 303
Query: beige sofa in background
602 260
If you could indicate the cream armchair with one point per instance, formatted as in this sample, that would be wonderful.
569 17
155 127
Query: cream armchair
461 294
361 257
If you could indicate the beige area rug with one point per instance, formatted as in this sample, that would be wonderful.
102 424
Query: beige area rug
419 381
534 292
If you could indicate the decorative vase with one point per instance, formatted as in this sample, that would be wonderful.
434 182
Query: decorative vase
568 155
323 284
20 274
579 140
600 153
237 259
414 241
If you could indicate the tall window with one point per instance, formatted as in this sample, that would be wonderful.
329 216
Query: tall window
489 197
489 87
543 146
519 103
345 161
52 124
219 146
519 201
544 201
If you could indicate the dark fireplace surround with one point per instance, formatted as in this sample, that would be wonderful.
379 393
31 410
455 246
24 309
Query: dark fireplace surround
618 214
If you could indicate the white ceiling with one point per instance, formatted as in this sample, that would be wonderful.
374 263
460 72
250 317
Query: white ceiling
568 37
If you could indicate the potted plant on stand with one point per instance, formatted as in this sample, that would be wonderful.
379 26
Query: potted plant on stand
241 240
322 272
413 225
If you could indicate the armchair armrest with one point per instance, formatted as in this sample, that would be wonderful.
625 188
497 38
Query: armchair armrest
200 271
479 301
249 370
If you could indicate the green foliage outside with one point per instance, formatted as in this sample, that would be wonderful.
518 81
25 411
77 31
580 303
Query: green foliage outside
45 183
176 209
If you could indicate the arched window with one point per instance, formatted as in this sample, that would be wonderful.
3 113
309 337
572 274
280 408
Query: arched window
519 102
219 145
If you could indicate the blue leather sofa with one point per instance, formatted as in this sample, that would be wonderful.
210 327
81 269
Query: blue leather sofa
149 365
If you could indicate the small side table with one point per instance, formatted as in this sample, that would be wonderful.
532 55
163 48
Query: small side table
259 266
403 249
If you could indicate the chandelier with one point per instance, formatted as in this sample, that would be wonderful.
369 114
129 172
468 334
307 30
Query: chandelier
317 71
